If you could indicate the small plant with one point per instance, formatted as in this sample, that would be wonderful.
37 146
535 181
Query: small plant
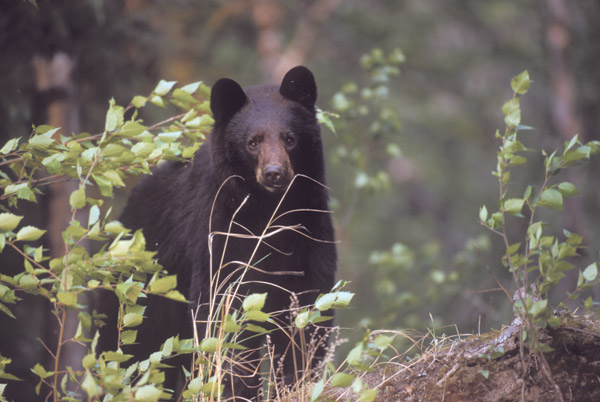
537 259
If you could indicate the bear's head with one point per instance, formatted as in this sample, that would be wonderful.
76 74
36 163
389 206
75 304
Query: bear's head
267 134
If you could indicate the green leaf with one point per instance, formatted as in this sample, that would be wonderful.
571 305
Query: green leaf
132 319
209 345
163 285
512 112
513 248
94 215
128 337
40 371
591 272
483 214
116 356
368 395
191 88
257 315
520 83
114 116
538 307
301 319
29 282
175 295
577 154
131 129
517 160
67 298
325 302
551 198
114 178
567 189
29 233
104 185
43 141
157 100
170 136
230 325
354 355
211 388
195 385
342 380
164 87
255 328
382 342
514 205
89 361
7 311
572 143
10 146
77 198
485 373
183 96
148 393
139 101
255 301
317 390
9 222
89 385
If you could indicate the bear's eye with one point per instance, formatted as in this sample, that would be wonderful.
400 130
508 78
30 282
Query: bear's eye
290 141
253 143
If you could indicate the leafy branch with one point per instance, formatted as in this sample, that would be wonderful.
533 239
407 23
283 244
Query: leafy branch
539 261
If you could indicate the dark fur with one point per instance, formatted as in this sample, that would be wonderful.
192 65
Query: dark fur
173 207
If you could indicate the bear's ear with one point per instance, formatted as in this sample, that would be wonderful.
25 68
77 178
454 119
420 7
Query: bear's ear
299 85
226 98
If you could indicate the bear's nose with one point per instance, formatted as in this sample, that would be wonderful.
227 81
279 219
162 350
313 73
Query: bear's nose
273 174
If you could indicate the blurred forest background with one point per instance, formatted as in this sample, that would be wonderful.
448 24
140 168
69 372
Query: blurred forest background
408 169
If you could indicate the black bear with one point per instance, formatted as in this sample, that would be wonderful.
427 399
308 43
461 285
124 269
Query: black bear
250 209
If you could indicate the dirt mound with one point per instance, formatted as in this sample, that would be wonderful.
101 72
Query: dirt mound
491 367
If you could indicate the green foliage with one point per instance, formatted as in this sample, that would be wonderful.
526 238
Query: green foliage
537 259
366 121
122 265
98 163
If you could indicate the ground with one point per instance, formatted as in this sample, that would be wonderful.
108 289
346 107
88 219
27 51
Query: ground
490 367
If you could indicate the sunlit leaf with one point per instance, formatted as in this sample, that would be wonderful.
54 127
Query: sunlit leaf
512 112
114 116
514 205
342 380
29 233
163 285
164 87
132 320
10 146
317 390
551 198
147 393
209 345
77 198
591 272
9 222
255 301
520 83
67 298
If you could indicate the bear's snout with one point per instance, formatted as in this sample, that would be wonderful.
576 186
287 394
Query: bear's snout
273 175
